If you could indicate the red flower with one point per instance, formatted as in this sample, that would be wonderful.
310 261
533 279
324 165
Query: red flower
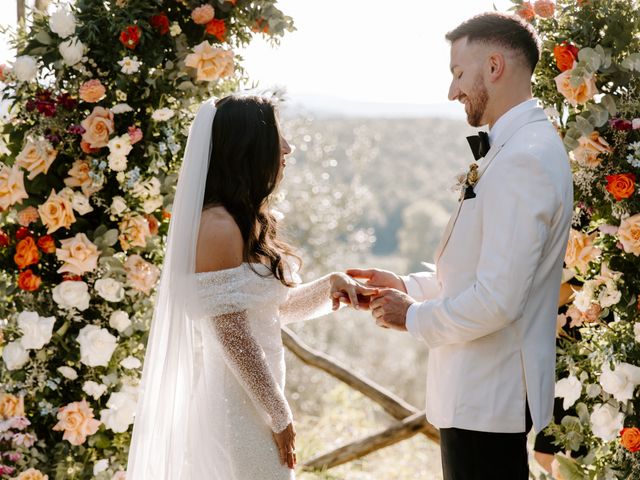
26 253
29 281
526 11
70 277
261 25
21 233
130 37
47 244
621 124
621 185
67 101
4 239
565 54
161 23
217 28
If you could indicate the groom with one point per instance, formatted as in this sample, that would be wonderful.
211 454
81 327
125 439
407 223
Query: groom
488 312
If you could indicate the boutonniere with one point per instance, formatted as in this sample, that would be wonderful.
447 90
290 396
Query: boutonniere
466 182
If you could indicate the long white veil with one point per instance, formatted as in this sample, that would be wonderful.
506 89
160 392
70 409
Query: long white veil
168 438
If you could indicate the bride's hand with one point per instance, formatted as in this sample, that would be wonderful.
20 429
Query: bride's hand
349 290
285 441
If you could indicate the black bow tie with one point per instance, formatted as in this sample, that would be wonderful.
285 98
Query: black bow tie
479 144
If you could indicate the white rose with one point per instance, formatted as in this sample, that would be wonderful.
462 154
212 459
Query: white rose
121 408
100 466
162 114
568 388
636 331
72 294
609 295
119 321
25 68
152 204
118 205
584 296
81 204
129 65
93 389
174 29
120 146
68 372
621 381
606 422
121 108
14 355
72 51
62 22
131 363
96 346
36 330
117 163
109 289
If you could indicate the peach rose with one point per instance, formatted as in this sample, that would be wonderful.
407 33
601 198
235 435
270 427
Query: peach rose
588 152
11 406
47 244
134 231
36 157
630 439
578 318
56 213
544 8
11 186
79 255
26 253
28 215
629 234
576 95
79 177
526 11
210 62
32 474
77 421
29 281
621 185
141 274
92 91
580 251
203 14
98 126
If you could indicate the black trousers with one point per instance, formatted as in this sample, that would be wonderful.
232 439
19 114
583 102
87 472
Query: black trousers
472 455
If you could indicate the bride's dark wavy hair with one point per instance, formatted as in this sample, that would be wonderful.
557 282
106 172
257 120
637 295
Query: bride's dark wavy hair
243 173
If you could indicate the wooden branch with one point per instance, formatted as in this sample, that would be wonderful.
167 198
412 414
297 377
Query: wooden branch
398 432
391 403
20 8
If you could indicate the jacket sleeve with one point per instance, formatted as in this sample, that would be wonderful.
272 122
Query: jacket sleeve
422 286
518 207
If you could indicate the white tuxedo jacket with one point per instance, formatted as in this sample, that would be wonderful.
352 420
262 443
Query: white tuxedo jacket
488 312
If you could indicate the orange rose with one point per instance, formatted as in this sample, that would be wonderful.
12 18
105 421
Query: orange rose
576 95
47 244
261 26
526 11
630 439
621 185
217 28
565 55
77 421
29 281
26 253
98 126
92 91
11 406
27 216
153 224
544 8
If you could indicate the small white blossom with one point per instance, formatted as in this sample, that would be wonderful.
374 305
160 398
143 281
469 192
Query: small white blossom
162 114
569 389
25 68
131 363
100 466
93 389
68 372
121 108
174 29
129 65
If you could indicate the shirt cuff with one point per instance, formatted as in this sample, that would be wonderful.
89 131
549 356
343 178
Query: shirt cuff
412 287
412 321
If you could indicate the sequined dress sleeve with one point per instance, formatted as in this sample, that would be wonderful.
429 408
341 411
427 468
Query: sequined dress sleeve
226 298
307 301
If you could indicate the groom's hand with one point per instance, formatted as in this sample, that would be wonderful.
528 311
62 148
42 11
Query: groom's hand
389 308
378 278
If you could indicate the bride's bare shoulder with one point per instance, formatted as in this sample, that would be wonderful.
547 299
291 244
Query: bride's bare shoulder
220 243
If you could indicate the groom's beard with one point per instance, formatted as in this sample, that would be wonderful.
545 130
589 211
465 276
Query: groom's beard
477 102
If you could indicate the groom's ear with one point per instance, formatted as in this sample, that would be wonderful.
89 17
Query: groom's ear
496 64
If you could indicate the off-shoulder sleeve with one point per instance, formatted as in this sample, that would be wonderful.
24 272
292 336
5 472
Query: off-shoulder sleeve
227 299
308 300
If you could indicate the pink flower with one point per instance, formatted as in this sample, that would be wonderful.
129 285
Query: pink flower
135 134
19 423
24 440
203 14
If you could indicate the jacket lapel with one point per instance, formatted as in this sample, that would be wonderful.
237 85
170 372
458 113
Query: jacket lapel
527 117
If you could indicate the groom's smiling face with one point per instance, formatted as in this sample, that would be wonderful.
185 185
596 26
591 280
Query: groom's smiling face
468 85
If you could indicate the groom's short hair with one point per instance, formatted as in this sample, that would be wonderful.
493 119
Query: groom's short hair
509 31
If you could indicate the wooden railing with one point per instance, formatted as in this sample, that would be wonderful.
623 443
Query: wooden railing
410 420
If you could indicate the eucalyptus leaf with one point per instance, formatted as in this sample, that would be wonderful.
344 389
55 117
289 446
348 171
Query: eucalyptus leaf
610 104
584 125
43 37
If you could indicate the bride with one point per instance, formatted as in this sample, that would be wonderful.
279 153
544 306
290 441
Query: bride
212 403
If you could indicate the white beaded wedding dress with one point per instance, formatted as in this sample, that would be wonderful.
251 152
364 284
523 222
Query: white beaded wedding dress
212 385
